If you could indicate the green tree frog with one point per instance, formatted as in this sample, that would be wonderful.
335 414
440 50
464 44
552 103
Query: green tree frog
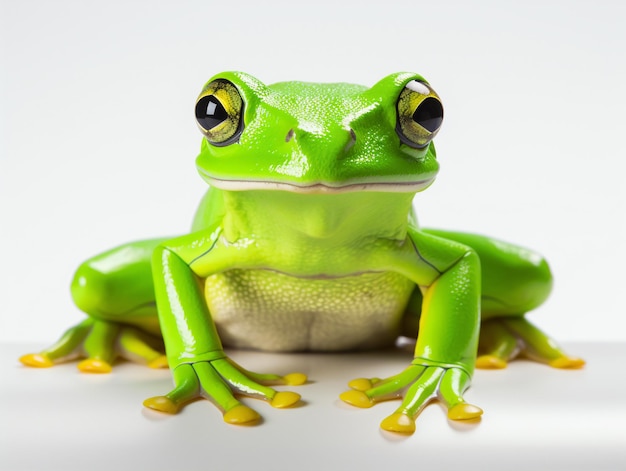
306 240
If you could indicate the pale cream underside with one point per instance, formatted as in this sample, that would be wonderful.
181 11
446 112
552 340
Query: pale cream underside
270 311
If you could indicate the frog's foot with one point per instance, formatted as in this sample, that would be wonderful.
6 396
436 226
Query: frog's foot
417 386
220 381
100 343
504 339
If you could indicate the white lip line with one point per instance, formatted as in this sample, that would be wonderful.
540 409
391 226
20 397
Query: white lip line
238 185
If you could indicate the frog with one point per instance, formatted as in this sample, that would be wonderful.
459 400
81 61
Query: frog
307 239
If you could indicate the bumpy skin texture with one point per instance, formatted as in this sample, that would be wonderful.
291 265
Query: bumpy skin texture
306 240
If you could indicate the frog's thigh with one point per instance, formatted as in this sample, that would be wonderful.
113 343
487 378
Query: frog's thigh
514 279
117 285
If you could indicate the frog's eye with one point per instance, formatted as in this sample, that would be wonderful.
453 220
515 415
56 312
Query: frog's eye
219 112
420 114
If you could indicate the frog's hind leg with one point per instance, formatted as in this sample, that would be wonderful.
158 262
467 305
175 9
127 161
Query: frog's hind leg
66 348
505 338
115 290
514 281
496 346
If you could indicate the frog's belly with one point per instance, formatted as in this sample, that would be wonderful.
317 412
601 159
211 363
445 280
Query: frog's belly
270 311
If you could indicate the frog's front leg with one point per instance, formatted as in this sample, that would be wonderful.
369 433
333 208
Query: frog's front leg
449 275
115 290
194 350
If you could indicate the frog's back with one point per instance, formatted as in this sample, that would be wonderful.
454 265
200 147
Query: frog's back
265 310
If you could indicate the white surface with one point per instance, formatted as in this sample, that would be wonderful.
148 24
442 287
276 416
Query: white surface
98 140
536 418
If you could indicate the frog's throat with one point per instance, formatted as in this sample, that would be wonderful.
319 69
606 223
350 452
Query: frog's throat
319 187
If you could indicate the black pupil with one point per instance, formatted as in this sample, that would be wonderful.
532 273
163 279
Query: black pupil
429 114
210 112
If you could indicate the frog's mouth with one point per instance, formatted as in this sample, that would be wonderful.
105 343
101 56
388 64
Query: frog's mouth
319 187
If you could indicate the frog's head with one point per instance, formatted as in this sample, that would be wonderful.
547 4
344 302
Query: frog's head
318 138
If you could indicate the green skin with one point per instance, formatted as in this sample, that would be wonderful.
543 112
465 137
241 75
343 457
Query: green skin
309 212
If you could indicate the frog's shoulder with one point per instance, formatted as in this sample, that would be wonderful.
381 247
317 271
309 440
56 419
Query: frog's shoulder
210 210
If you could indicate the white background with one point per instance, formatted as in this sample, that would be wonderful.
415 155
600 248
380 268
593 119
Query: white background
98 136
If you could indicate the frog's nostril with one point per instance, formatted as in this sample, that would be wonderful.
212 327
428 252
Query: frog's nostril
289 135
351 142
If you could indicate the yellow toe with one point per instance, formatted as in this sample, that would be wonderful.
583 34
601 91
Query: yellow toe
357 399
571 363
398 423
36 360
361 384
93 365
158 362
284 399
241 415
490 362
162 404
295 379
464 411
